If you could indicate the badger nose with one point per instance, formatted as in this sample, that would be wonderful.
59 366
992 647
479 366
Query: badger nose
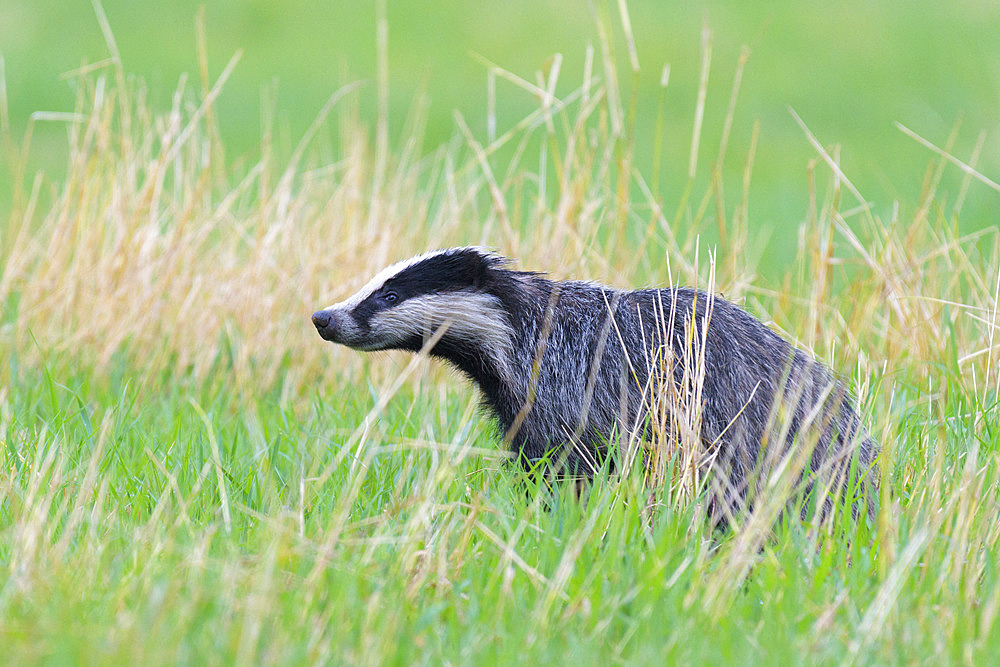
321 319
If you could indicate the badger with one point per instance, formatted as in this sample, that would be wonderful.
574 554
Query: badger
570 368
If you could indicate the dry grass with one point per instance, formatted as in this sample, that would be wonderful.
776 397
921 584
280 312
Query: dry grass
153 243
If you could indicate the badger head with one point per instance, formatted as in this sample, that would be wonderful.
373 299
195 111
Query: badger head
444 293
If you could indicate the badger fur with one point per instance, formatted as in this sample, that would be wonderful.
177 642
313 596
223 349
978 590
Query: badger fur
566 381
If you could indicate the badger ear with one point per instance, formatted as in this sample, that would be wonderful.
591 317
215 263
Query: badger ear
480 265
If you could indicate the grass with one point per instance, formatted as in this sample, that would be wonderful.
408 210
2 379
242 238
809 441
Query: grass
189 474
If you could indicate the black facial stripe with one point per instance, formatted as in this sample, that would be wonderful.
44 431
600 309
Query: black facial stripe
362 313
446 272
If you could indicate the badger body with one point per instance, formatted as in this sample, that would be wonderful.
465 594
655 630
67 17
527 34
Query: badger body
569 367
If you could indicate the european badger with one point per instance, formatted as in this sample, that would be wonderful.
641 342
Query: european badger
564 380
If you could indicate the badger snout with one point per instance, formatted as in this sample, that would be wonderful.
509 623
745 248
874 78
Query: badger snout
326 325
337 326
321 319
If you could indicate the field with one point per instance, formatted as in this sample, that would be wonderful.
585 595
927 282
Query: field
189 474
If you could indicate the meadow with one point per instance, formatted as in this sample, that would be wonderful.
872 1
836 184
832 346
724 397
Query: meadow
189 474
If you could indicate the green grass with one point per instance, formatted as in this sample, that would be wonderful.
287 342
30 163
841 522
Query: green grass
187 473
121 542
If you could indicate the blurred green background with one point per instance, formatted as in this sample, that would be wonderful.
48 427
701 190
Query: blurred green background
850 69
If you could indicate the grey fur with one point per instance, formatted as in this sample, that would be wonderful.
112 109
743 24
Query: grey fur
563 379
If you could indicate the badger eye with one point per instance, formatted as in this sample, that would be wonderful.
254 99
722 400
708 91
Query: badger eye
390 297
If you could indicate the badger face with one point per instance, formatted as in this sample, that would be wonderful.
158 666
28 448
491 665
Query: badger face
443 292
